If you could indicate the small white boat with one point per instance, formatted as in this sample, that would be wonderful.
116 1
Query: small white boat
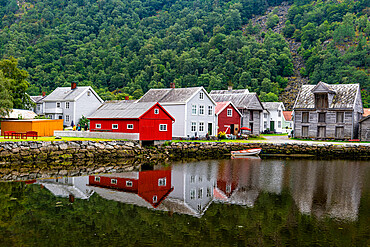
247 152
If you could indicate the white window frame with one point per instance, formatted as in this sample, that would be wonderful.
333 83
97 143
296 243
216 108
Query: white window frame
162 182
50 116
229 112
67 105
130 126
98 126
114 126
192 179
201 109
265 115
156 111
59 104
67 118
209 192
155 199
129 183
193 126
38 107
201 95
113 181
192 194
88 93
279 124
265 124
161 127
193 109
201 126
210 110
279 113
97 179
200 193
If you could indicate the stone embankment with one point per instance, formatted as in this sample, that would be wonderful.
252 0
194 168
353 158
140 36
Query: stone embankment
74 152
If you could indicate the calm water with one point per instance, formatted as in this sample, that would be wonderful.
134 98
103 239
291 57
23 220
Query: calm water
242 202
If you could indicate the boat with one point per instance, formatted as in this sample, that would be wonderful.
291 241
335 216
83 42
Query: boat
246 152
245 157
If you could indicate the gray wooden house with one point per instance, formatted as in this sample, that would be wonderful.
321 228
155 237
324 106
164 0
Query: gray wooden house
365 129
326 111
247 103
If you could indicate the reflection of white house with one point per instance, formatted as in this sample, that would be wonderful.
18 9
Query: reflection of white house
66 186
273 118
193 187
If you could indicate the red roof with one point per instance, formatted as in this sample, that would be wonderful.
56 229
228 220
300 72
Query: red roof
220 106
366 112
287 115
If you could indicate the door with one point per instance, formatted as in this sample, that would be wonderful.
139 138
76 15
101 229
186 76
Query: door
210 127
232 129
272 125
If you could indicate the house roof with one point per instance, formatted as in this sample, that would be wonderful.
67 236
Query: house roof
272 105
68 94
364 118
344 96
287 115
64 190
37 99
170 95
366 112
122 109
242 99
220 106
20 113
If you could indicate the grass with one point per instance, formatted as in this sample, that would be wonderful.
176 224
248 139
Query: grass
52 138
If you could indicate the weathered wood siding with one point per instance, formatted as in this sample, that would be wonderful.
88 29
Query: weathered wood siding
365 130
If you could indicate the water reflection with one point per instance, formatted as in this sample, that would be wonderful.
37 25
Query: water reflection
321 188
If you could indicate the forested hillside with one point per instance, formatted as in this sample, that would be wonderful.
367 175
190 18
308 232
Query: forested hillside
127 47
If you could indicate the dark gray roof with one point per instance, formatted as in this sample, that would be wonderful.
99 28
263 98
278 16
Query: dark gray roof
36 99
122 109
242 99
344 96
66 93
272 105
167 95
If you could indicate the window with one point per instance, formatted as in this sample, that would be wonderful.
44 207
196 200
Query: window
264 115
129 183
163 127
192 179
88 93
305 131
229 112
210 110
201 126
279 124
50 116
194 109
201 110
305 116
279 113
58 104
60 117
200 193
265 124
228 188
67 118
209 192
200 178
97 179
155 199
130 126
193 126
339 132
113 181
192 194
38 107
321 117
340 117
321 132
162 182
251 116
321 101
97 126
199 207
67 105
115 126
201 95
156 111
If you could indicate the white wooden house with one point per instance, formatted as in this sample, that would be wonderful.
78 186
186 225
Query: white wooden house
273 117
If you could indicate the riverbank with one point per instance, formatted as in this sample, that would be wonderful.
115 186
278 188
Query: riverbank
59 152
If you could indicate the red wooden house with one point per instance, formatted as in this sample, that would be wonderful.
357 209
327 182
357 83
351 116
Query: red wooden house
147 121
228 117
152 186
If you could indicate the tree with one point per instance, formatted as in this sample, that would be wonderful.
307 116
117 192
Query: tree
5 99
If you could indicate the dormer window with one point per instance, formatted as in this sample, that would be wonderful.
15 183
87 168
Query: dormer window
321 101
201 95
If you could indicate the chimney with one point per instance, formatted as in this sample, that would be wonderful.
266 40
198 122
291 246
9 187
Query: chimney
43 94
73 85
127 97
229 88
172 85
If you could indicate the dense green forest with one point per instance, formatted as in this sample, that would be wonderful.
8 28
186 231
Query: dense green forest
123 47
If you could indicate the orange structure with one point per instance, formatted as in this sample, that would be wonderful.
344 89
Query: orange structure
44 127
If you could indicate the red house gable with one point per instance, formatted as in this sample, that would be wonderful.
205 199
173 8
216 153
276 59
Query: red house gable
152 186
144 121
228 117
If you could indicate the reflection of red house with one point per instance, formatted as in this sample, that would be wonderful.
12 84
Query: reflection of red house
140 121
152 186
228 117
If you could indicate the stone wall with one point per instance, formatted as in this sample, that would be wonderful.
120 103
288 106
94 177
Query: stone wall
31 152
